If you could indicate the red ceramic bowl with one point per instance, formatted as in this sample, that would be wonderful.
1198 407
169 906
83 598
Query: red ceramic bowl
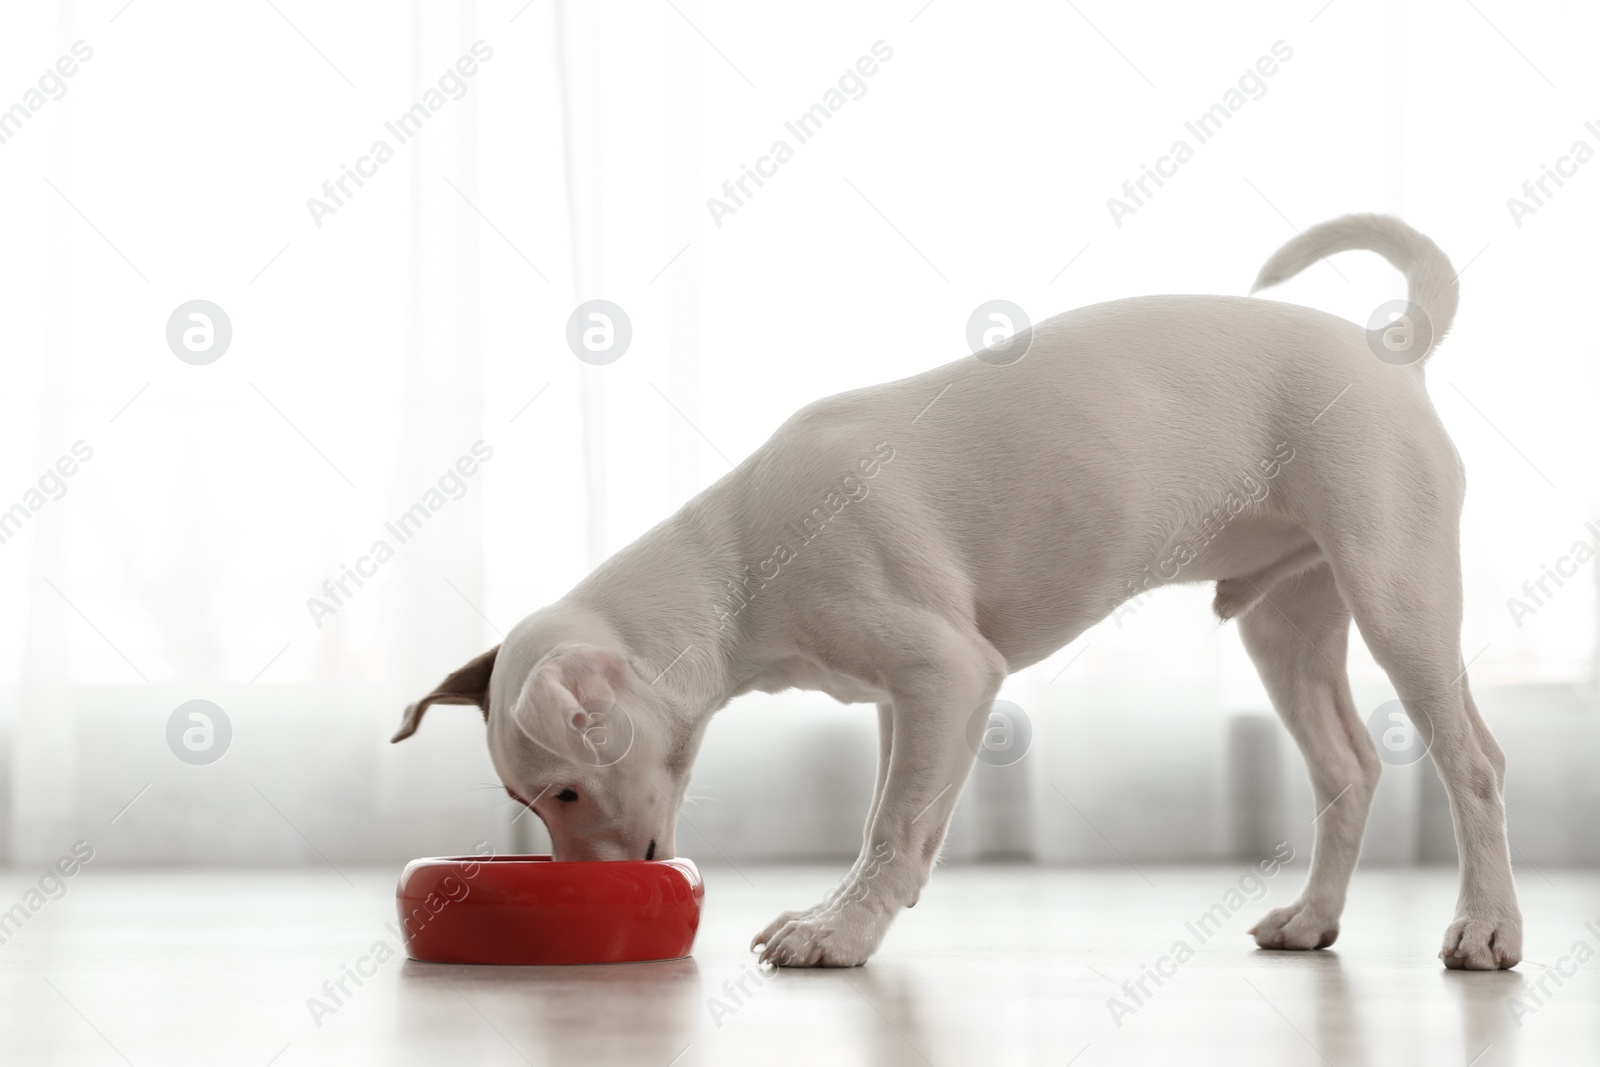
533 910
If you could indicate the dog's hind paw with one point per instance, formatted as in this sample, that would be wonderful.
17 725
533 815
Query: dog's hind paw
1298 927
1482 945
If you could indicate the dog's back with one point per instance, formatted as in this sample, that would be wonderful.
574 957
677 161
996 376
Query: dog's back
1042 489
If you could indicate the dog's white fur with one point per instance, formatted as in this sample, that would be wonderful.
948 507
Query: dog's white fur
913 543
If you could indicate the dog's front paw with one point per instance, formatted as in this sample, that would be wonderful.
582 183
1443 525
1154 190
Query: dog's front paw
821 938
766 935
1299 926
1474 944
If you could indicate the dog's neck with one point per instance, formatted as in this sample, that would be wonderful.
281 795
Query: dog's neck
662 597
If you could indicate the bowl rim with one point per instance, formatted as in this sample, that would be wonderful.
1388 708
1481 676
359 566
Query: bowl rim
534 861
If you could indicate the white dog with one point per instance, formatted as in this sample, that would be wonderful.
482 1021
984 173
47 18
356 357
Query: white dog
911 544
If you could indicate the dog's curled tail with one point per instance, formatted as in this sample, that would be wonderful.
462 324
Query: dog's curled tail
1429 276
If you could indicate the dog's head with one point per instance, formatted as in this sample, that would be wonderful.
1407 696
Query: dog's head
578 737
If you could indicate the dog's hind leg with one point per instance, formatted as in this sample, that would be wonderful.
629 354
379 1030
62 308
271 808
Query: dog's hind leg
1403 585
1298 637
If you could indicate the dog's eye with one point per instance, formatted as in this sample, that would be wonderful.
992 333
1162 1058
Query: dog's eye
567 796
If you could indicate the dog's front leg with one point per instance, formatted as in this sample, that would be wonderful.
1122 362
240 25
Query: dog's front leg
929 760
885 746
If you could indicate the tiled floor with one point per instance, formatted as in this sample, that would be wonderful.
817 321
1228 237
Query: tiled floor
994 966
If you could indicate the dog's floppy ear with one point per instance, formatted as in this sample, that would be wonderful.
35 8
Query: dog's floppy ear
569 705
466 685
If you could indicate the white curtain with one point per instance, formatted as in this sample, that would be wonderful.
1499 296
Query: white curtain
968 152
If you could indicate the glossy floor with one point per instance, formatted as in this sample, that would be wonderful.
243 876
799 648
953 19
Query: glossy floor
995 966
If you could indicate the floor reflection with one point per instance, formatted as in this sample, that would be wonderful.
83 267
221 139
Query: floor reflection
1489 1033
893 997
1342 1034
1346 1021
623 1013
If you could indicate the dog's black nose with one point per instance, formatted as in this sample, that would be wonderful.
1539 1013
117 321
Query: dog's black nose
650 853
